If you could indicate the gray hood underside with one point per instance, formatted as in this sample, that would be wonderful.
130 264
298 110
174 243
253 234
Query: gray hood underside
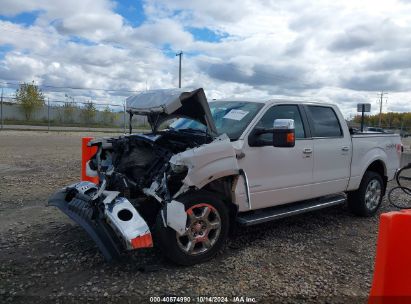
160 105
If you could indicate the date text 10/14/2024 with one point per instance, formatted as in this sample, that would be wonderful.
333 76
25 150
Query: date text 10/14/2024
203 299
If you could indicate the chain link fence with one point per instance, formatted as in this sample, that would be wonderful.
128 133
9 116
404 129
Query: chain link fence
68 115
403 131
399 128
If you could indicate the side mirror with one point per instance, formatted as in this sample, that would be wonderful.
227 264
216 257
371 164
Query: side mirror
283 133
254 139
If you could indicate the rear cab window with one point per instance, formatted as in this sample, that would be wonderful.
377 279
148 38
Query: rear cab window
324 121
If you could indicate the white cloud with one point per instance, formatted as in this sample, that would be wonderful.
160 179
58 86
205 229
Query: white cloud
30 38
92 19
341 52
161 31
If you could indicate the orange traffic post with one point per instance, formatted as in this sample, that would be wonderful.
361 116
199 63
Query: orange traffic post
392 272
86 154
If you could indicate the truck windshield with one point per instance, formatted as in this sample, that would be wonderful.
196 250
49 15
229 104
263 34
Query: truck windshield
230 117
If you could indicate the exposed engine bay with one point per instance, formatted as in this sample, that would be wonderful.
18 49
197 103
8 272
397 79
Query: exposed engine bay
139 168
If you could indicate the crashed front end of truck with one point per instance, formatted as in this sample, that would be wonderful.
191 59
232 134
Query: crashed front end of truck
142 176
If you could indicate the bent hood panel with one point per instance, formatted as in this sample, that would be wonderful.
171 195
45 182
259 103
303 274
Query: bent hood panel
158 105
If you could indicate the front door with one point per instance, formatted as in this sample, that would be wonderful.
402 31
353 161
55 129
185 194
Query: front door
279 175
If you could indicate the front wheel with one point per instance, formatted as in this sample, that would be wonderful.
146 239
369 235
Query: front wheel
206 230
366 200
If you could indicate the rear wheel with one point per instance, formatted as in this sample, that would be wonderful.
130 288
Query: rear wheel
206 230
366 200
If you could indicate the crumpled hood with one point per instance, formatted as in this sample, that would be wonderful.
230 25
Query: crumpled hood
159 105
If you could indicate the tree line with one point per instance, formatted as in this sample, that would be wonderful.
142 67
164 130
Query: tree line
30 99
391 120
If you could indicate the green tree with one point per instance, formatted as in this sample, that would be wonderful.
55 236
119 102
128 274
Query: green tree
388 120
89 112
30 98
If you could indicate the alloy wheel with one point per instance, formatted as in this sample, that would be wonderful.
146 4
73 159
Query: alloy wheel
373 194
202 229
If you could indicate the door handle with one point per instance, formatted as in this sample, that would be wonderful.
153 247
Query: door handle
307 151
345 148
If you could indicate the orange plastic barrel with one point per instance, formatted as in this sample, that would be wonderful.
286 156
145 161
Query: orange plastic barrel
392 272
86 154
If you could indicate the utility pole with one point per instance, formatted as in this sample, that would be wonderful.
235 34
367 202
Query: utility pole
381 98
179 68
1 109
48 114
124 117
402 125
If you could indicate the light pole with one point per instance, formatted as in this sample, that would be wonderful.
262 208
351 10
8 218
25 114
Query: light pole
179 68
1 109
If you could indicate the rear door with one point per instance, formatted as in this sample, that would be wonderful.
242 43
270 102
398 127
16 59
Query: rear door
331 150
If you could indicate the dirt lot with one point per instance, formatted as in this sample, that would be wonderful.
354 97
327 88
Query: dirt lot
326 256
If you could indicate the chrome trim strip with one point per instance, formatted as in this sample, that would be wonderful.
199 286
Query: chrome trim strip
247 187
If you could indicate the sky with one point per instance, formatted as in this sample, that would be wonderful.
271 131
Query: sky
343 51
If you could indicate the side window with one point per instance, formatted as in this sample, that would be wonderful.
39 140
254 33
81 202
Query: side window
325 122
282 112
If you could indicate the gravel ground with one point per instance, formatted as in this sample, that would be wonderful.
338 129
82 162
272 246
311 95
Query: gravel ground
325 256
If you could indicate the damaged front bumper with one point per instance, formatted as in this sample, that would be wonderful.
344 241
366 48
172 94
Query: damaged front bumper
111 221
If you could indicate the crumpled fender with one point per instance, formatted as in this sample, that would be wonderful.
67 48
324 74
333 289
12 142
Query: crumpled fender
208 162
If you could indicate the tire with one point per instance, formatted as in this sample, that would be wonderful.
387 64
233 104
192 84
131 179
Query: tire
367 199
204 234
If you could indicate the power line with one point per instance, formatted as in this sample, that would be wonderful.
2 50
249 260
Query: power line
87 102
14 100
75 88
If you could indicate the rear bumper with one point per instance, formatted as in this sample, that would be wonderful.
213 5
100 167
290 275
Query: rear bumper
103 220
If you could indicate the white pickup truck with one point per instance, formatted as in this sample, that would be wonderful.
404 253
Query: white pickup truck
206 167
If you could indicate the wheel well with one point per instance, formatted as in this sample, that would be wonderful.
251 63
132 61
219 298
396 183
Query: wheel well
223 187
378 167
